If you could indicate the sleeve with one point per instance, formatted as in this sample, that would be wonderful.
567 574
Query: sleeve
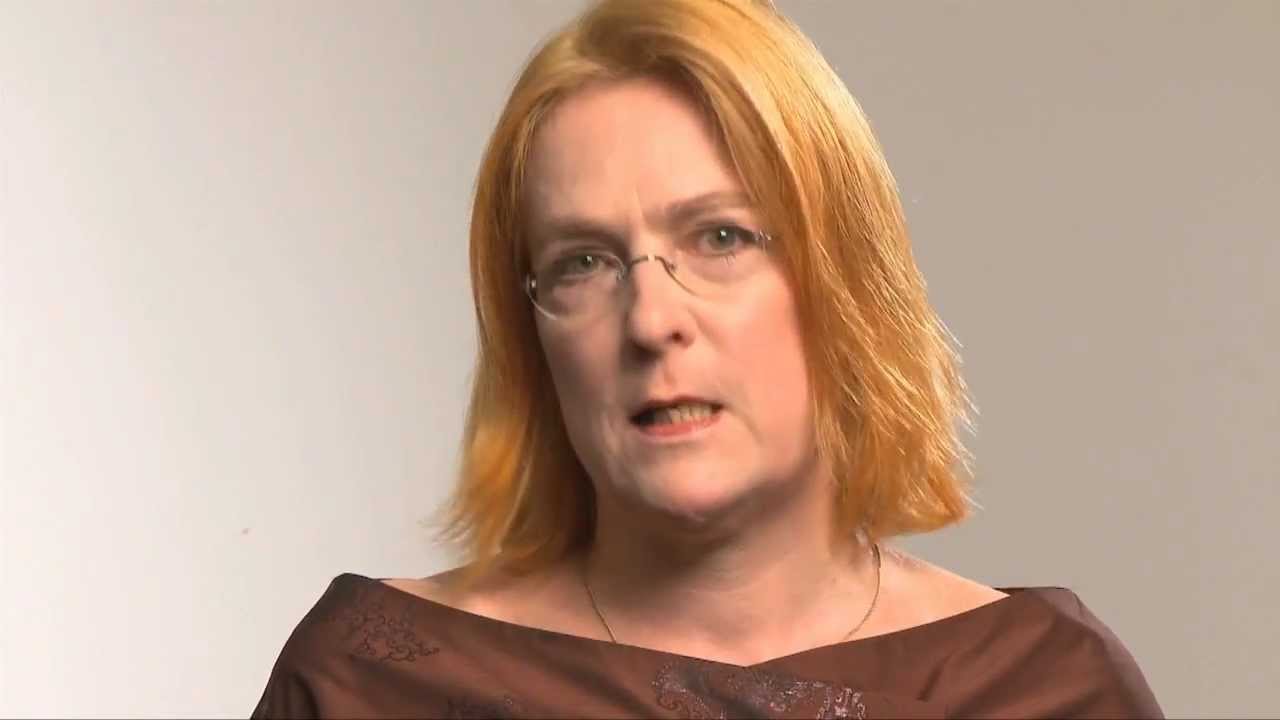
287 694
1112 680
1066 664
304 676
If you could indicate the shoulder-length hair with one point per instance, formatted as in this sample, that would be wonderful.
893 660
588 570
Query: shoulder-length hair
886 391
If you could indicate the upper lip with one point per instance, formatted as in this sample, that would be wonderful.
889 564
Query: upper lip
668 402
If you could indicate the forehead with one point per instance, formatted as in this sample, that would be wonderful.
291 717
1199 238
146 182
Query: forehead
619 152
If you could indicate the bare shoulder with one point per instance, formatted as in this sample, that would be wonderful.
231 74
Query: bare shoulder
436 588
446 588
522 599
927 592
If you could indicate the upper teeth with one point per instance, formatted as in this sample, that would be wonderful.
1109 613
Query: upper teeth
682 413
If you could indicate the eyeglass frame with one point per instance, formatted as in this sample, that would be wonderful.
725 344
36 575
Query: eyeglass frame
624 273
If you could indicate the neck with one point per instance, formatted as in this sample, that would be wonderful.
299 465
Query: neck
780 584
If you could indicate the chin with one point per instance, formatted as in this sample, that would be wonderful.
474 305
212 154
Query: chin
692 500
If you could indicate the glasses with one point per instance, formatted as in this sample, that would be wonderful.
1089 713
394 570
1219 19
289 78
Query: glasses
585 282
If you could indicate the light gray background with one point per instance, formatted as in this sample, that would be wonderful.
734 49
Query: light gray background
237 332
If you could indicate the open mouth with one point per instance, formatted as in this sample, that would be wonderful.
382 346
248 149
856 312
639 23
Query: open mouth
693 413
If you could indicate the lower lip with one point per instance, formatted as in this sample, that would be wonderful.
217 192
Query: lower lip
679 429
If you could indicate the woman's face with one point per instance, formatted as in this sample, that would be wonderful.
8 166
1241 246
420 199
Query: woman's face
614 157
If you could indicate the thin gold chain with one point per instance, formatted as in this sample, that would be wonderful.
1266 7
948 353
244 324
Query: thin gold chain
875 552
592 596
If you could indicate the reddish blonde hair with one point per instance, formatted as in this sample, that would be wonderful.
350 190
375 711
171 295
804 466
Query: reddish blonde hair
887 393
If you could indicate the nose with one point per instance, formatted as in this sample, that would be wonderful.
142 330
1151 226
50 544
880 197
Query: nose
657 309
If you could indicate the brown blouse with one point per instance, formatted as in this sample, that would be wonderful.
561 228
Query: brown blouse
368 650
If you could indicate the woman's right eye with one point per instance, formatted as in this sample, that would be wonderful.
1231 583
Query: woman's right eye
577 264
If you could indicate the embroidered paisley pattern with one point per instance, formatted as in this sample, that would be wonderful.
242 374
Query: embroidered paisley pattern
379 634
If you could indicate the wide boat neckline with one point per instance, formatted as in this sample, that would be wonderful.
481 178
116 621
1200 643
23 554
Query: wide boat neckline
1013 596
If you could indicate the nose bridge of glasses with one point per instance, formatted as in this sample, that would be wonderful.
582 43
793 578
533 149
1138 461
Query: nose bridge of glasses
628 266
669 269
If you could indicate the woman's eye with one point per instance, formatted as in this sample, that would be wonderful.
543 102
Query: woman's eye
726 238
578 264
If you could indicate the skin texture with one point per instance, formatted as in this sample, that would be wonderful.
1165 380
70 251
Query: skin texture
720 546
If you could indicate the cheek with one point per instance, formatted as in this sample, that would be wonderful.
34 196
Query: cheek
579 371
775 365
583 378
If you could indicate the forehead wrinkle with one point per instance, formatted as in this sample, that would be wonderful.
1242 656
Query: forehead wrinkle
681 211
561 216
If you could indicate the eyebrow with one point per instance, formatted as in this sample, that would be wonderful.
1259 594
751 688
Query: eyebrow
673 214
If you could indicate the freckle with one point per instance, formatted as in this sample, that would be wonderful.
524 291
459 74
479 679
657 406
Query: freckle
244 531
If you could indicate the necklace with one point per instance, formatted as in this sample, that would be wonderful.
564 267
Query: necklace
875 553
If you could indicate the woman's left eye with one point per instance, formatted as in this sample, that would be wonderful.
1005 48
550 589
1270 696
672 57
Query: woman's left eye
726 238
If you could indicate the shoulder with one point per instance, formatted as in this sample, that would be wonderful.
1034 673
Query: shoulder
915 592
1035 652
304 658
459 589
376 648
357 622
442 588
543 599
354 616
1049 655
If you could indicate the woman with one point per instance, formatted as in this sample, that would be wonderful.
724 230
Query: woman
710 389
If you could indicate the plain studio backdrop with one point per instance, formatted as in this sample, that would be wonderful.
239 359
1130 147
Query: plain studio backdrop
237 324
